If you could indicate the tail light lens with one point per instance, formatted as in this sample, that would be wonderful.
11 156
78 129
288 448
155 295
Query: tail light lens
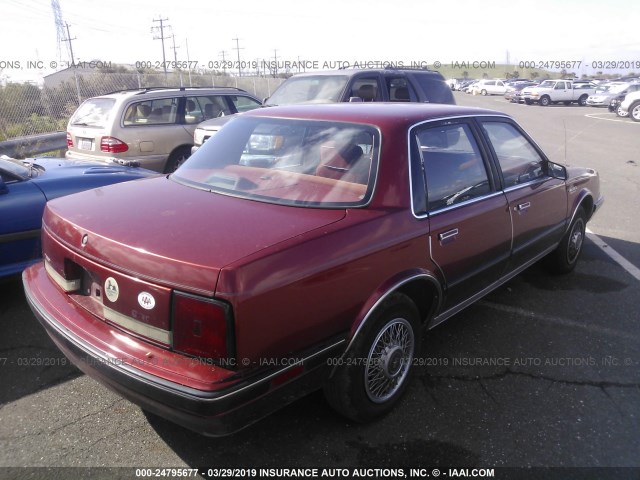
202 327
69 140
113 145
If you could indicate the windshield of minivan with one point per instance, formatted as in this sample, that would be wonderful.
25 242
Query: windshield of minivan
287 161
309 89
93 113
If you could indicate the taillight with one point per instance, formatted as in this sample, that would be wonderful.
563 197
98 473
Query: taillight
113 145
202 327
69 140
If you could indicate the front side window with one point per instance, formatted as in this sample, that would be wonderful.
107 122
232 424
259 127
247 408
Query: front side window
202 108
452 165
399 89
286 161
244 104
152 112
366 88
519 161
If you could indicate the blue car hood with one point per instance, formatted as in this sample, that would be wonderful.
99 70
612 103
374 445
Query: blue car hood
62 176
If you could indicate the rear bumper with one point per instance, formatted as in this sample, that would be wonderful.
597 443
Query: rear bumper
219 411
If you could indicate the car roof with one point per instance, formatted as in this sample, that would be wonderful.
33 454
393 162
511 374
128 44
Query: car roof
374 113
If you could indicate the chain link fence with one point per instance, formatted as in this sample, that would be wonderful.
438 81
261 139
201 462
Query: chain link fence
26 109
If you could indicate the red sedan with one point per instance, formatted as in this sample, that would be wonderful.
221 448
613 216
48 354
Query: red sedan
300 248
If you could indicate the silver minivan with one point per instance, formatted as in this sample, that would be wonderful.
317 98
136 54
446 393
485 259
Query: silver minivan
151 127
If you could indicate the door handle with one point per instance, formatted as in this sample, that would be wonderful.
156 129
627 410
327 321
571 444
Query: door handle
448 234
523 206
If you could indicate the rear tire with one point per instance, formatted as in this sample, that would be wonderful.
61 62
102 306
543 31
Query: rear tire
582 101
564 258
177 158
376 370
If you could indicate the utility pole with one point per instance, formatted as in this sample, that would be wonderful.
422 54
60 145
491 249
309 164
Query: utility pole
275 64
237 40
175 57
224 61
69 39
186 42
162 37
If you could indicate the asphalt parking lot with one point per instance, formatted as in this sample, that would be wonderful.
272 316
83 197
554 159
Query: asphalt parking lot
544 371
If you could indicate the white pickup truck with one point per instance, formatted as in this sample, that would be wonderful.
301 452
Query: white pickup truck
556 91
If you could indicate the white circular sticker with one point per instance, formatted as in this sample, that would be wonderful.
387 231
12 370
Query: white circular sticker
146 300
111 289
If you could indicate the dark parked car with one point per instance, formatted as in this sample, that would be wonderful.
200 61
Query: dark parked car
514 91
366 85
25 187
301 247
359 85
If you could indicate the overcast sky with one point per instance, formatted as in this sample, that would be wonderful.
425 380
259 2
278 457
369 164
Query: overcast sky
119 31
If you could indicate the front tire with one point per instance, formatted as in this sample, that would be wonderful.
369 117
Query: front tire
376 370
483 92
545 100
564 258
634 112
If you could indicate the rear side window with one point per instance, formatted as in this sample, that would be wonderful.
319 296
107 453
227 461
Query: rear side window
93 113
452 166
152 112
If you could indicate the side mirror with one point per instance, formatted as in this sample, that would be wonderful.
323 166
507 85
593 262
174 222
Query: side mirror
556 171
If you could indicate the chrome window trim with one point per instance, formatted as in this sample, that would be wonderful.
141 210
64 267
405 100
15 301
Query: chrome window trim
434 120
466 202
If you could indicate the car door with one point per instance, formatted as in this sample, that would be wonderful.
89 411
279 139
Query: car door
469 221
537 200
21 206
562 92
152 126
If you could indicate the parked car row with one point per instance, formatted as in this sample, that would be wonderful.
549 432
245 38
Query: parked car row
627 106
159 127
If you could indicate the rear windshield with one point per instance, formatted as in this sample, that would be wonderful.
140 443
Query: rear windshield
310 89
93 113
287 161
